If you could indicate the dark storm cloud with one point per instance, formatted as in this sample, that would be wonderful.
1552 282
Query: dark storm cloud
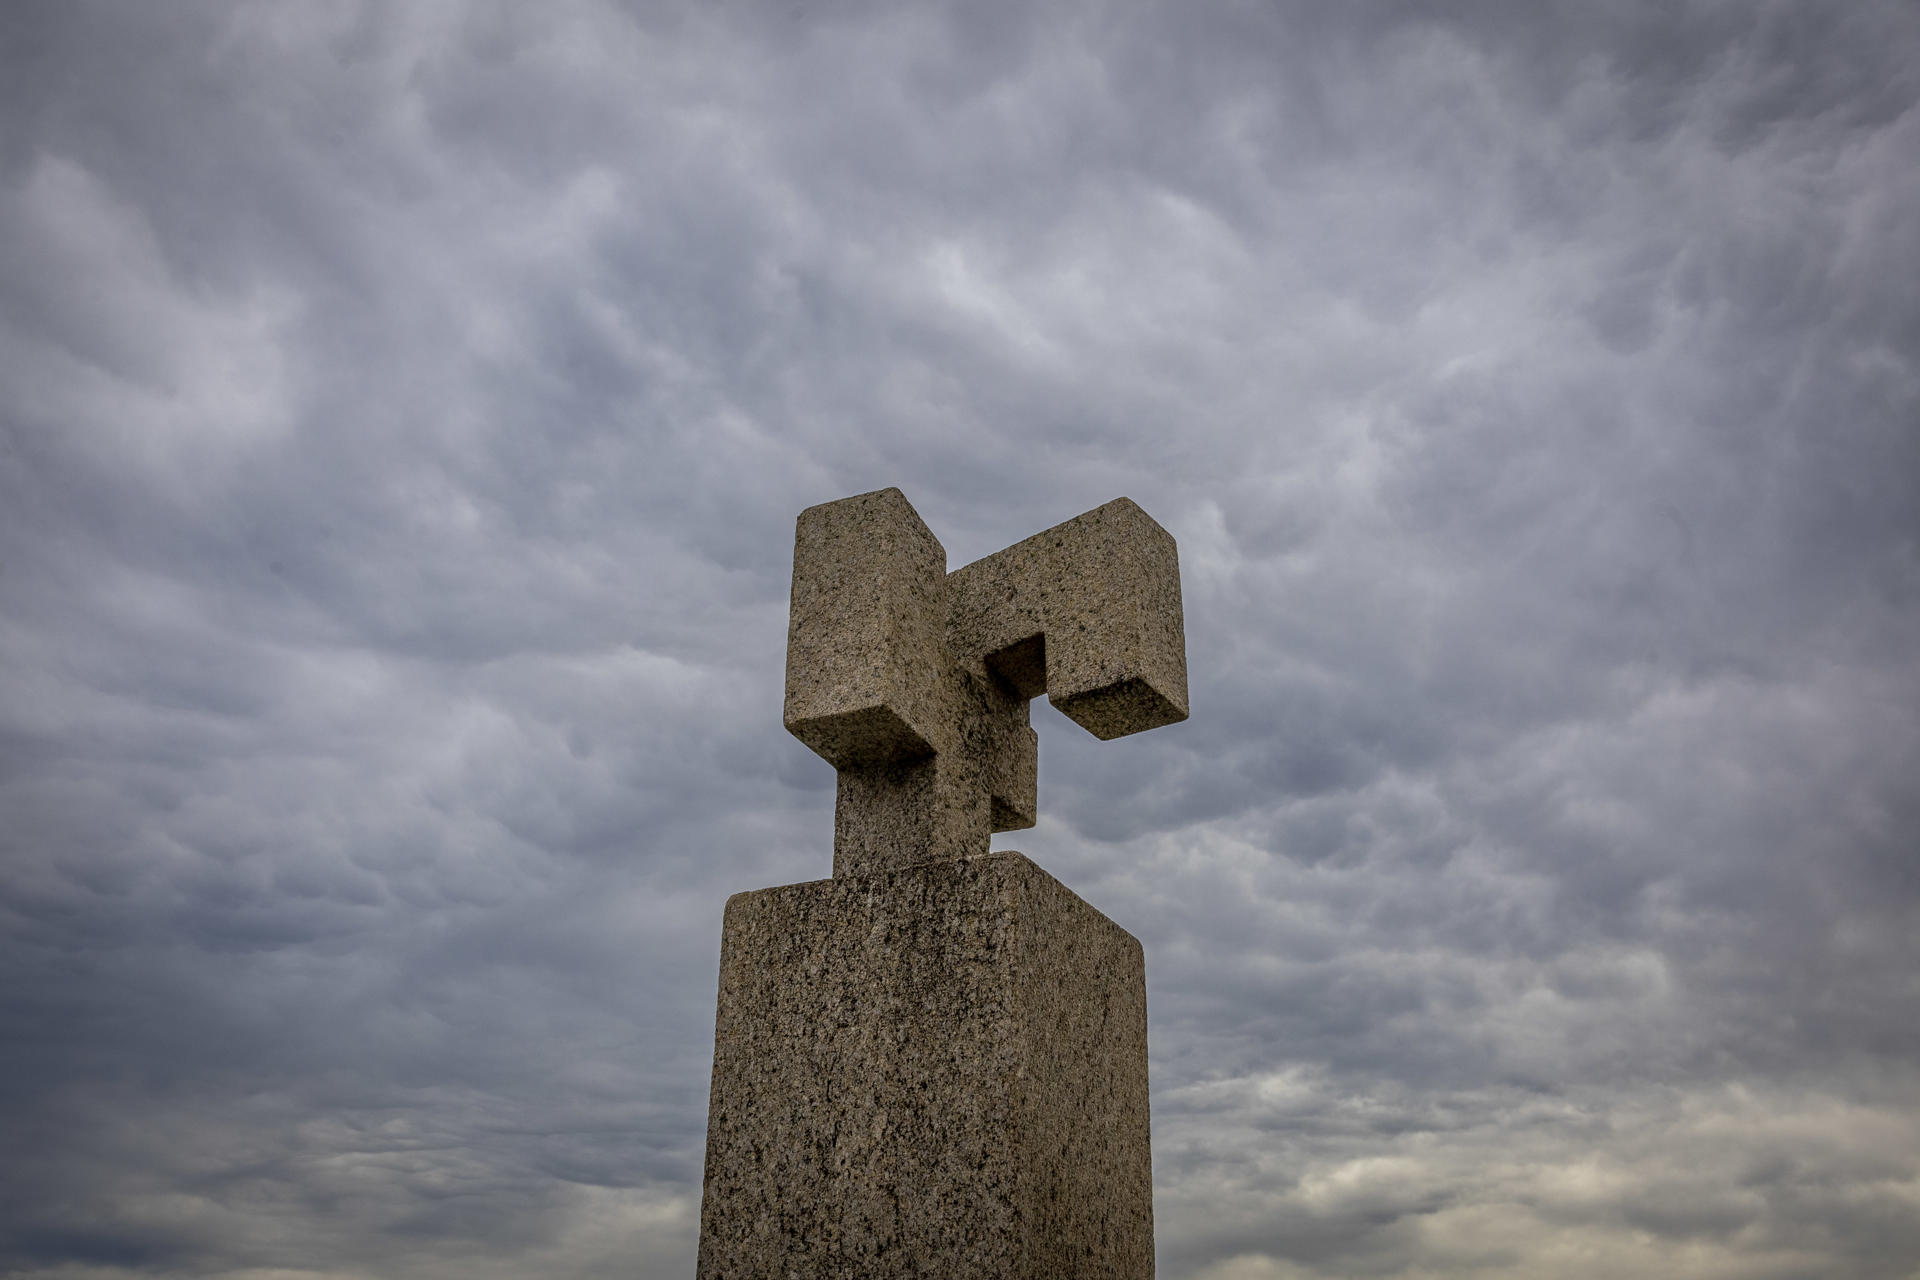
406 412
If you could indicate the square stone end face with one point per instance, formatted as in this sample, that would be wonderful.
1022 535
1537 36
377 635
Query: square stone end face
861 736
940 1070
1127 706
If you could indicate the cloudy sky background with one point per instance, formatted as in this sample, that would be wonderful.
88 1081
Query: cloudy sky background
405 412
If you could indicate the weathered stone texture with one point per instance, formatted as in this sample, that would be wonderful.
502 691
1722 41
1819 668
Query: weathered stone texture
1096 600
936 1071
935 1064
866 657
914 682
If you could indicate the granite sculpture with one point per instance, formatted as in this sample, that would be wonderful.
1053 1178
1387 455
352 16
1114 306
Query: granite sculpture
934 1063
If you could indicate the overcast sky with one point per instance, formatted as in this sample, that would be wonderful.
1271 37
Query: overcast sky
405 412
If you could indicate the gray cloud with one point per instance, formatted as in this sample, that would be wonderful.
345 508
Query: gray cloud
406 409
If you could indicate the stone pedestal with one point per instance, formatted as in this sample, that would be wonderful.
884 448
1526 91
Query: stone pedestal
933 1071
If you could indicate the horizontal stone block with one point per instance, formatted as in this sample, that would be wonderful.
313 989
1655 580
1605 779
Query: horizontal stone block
1089 611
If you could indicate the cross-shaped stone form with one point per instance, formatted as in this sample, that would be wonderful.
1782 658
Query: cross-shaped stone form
914 682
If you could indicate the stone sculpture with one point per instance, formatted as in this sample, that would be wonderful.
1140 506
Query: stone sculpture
935 1062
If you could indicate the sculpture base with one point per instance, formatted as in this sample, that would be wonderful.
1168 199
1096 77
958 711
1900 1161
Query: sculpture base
940 1070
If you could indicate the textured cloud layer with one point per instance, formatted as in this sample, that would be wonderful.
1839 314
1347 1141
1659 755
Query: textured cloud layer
406 408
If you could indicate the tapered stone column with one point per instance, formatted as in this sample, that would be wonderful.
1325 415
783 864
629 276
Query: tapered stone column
935 1071
935 1063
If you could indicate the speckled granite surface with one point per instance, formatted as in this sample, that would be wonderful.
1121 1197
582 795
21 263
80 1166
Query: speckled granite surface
1101 594
914 682
935 1063
933 1071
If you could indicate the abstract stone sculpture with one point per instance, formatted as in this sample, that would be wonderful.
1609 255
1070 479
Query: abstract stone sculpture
935 1062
